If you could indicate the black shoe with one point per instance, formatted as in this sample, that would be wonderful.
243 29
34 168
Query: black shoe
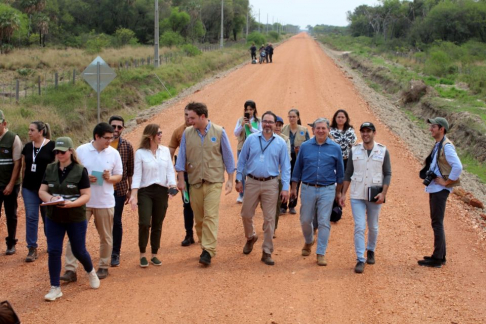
115 260
102 273
359 268
432 263
292 211
444 261
188 240
283 211
267 259
69 276
205 258
10 250
249 244
32 255
370 257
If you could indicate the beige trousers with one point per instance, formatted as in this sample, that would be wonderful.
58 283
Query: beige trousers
205 206
103 219
267 193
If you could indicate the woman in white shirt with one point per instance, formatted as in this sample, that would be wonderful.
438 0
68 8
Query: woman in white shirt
245 126
152 178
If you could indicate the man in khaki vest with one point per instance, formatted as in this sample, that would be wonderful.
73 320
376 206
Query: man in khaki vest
369 167
443 169
205 152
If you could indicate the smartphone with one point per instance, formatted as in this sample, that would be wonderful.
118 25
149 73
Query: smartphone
247 115
173 191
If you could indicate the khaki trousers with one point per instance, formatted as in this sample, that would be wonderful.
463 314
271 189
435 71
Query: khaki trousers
267 193
103 219
205 206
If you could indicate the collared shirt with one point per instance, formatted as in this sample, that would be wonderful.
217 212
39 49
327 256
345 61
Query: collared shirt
319 164
108 159
150 169
453 160
176 137
226 151
263 159
126 153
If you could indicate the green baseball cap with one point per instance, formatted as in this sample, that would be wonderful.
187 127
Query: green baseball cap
2 116
63 144
439 121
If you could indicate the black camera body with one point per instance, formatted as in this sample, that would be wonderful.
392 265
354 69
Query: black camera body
429 176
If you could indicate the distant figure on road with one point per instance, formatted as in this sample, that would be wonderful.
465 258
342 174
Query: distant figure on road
269 51
253 52
263 54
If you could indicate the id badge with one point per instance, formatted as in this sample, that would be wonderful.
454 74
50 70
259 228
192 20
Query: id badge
33 168
262 158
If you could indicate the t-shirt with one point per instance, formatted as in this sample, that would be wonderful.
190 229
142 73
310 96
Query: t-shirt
176 138
43 156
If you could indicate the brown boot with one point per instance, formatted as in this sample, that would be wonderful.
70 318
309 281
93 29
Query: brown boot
321 260
32 256
267 259
306 250
249 244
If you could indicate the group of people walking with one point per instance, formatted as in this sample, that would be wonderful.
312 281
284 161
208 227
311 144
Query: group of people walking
265 53
68 187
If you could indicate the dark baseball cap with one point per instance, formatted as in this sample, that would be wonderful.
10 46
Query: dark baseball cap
439 121
279 120
311 124
367 125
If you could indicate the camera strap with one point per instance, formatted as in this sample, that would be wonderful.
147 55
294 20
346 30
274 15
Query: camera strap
438 156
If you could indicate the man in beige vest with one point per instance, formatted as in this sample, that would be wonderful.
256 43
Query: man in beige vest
369 167
443 169
204 153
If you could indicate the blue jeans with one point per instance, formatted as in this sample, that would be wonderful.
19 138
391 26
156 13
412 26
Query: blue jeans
243 179
55 233
319 199
117 224
32 205
365 211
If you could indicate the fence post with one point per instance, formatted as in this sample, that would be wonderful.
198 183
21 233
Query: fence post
17 86
56 79
74 76
39 84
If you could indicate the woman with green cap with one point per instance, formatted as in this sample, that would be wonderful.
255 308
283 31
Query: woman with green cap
66 190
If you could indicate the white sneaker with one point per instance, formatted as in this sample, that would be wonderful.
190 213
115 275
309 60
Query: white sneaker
53 294
94 281
239 200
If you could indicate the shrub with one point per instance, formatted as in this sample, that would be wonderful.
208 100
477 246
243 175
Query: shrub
124 36
438 63
257 38
97 43
274 36
171 38
190 50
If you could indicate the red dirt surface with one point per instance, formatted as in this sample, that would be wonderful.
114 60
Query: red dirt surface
240 288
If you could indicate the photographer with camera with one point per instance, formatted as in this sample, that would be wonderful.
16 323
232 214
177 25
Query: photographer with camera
441 173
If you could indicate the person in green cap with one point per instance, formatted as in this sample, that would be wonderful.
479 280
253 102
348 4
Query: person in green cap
10 162
441 173
66 190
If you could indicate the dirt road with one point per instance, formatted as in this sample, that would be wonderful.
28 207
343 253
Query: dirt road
239 288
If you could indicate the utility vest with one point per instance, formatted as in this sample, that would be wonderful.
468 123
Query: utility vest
204 161
444 167
299 135
6 159
244 133
368 170
69 190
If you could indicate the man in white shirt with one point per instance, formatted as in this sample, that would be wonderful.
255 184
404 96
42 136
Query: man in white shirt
105 169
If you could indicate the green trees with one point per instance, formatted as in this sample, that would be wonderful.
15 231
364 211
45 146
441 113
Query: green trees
10 20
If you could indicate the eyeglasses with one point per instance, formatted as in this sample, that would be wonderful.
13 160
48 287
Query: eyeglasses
292 116
159 133
106 138
56 152
268 122
8 306
119 127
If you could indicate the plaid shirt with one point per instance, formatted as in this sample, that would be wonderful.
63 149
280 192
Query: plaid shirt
126 153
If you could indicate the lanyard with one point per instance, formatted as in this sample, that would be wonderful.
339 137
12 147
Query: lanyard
261 146
33 150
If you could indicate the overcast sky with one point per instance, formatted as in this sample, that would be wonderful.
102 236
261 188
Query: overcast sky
306 12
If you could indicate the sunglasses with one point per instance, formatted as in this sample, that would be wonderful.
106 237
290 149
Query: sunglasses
159 133
56 152
14 315
119 127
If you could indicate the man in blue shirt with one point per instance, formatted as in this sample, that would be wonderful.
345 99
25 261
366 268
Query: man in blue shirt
264 156
319 166
444 171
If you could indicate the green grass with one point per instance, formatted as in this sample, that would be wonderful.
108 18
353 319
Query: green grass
471 165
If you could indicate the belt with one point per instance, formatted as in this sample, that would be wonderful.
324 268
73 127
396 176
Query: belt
317 185
261 179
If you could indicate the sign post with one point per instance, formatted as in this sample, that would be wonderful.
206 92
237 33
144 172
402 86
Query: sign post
98 74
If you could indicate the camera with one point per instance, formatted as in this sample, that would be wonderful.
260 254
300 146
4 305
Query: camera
429 176
247 115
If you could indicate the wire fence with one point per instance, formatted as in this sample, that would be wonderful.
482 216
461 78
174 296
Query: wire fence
19 89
